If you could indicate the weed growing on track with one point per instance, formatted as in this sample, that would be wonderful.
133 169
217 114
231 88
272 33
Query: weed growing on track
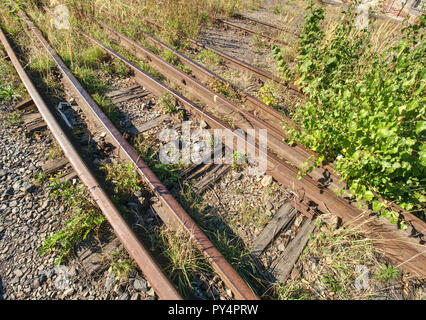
365 109
386 273
124 178
120 266
39 178
84 217
55 151
329 265
185 260
107 106
12 119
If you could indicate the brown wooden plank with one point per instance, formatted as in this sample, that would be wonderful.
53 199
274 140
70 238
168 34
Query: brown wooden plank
129 97
284 215
163 214
152 124
212 177
54 165
25 105
71 174
36 126
192 167
31 117
282 267
120 92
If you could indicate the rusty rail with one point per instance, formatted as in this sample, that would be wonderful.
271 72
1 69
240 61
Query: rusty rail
296 154
230 277
241 16
239 64
161 284
396 243
244 29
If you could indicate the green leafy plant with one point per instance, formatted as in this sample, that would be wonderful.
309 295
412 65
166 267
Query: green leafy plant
14 6
124 178
8 93
387 273
120 266
12 119
108 107
167 100
84 218
268 95
365 110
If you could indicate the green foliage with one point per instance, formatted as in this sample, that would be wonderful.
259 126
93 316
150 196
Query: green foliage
238 159
14 6
365 111
124 178
167 173
283 67
387 273
209 57
116 67
107 106
226 90
40 177
332 283
8 93
268 95
84 218
89 80
13 119
120 266
169 103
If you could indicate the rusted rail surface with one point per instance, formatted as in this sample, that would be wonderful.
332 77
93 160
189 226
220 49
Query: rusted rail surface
152 271
239 64
395 243
124 150
236 26
246 120
241 16
295 154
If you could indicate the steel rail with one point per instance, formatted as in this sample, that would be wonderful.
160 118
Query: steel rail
244 29
230 277
239 64
296 154
205 75
152 271
395 243
242 16
211 98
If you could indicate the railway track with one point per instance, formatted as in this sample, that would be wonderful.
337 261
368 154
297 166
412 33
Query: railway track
295 155
313 193
228 59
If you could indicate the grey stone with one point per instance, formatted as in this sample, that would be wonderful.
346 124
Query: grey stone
109 283
135 296
15 280
140 285
69 292
35 284
18 273
28 187
203 124
269 205
124 296
266 180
